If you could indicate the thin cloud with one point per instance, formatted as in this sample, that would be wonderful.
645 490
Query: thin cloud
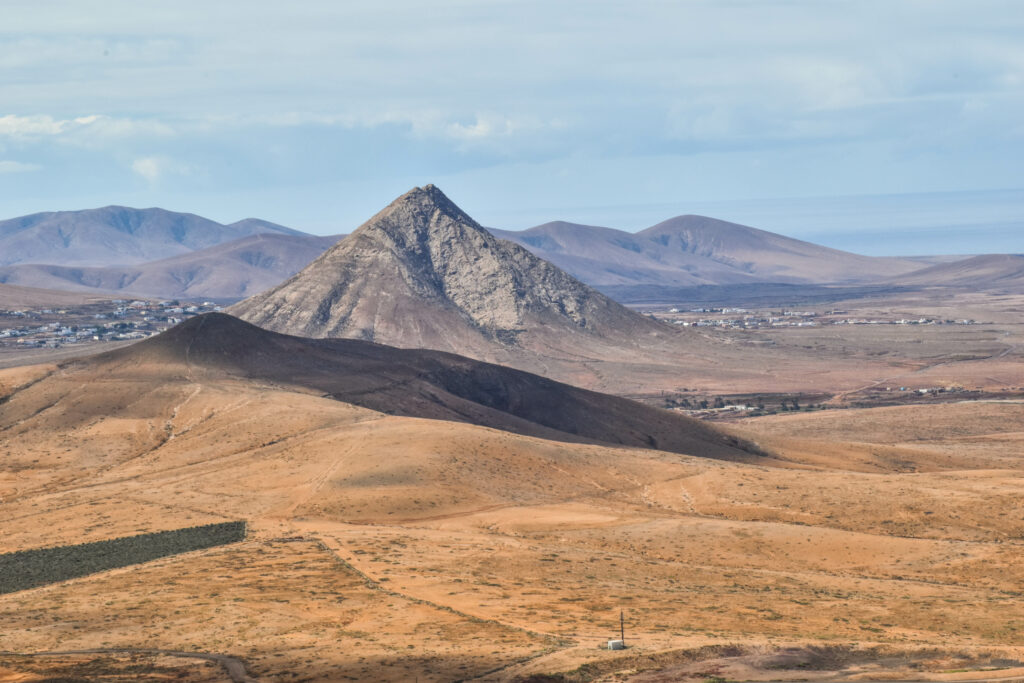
79 128
8 166
155 168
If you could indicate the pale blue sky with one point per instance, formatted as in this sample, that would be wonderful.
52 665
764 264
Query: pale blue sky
315 114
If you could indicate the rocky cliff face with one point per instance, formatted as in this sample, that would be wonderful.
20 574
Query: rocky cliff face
422 273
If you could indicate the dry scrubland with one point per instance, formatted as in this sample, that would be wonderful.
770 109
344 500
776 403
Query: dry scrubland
396 548
844 360
850 360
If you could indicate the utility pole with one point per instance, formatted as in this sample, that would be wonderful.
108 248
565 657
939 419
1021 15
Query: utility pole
622 626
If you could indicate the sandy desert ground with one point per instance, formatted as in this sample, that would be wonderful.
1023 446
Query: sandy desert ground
874 543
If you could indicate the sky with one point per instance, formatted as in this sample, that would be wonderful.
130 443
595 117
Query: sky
891 126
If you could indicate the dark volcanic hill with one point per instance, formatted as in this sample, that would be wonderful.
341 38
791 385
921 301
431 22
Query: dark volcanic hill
227 271
410 382
423 274
696 250
117 235
1003 272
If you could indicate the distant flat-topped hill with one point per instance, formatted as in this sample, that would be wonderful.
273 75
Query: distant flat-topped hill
117 235
231 270
696 250
14 297
423 274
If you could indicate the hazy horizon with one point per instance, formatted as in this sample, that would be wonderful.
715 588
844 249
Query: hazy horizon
915 224
316 116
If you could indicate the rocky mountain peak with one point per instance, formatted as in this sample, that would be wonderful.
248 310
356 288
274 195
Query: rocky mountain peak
421 213
423 273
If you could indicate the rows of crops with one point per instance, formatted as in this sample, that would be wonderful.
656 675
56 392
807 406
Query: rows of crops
31 568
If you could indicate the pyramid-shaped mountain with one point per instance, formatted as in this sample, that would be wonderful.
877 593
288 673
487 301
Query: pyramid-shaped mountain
423 274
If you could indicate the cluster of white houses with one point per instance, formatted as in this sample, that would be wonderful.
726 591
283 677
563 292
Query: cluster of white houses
96 322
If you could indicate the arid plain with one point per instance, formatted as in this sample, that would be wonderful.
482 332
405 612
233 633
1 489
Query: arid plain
878 542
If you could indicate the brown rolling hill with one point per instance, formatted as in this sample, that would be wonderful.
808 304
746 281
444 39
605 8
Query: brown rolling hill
232 270
117 235
423 274
1003 272
697 250
216 347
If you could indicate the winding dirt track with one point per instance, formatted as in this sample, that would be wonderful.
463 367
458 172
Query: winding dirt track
234 667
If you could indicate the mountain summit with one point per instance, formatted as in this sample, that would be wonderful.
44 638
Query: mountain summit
422 273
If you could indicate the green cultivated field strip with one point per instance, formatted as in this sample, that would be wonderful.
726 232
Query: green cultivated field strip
31 568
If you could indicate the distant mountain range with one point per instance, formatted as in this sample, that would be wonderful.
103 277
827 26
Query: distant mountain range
158 253
117 235
226 271
696 250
